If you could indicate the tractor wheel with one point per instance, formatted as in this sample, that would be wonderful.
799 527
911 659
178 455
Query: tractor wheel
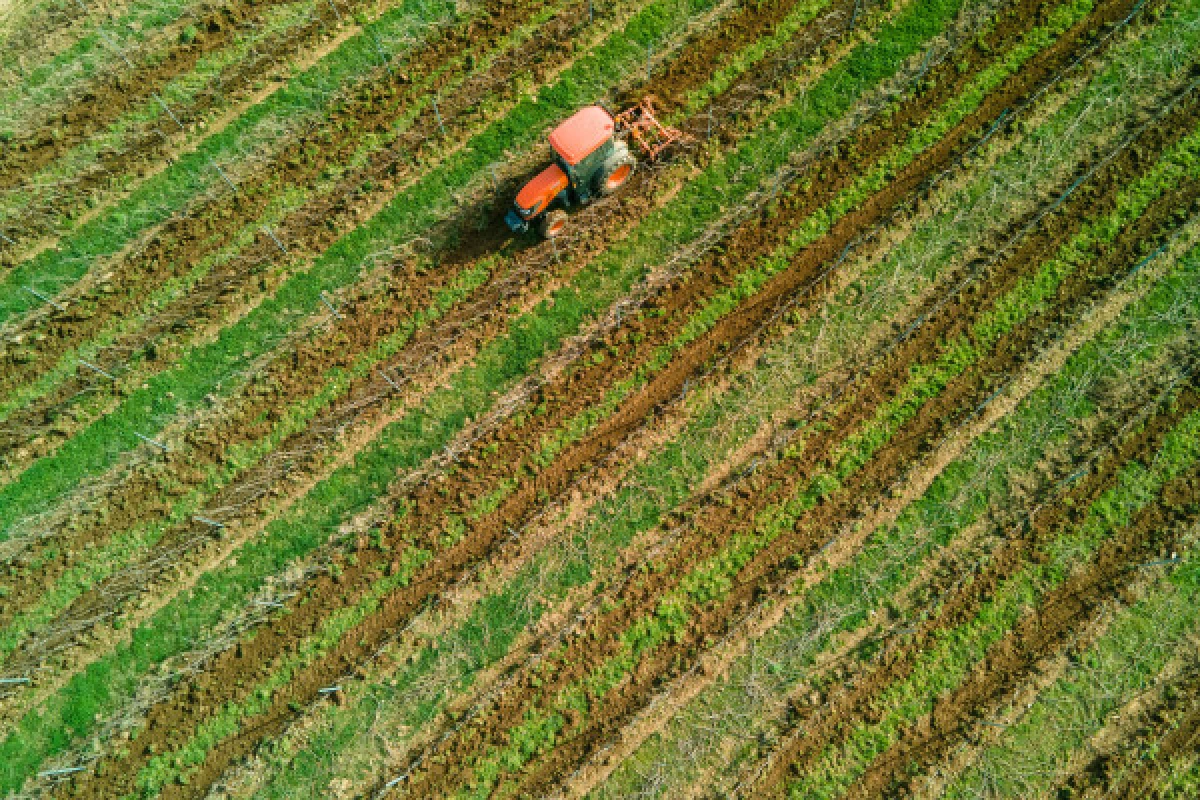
615 173
553 223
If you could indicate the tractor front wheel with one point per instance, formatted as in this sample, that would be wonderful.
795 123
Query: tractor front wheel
553 223
615 173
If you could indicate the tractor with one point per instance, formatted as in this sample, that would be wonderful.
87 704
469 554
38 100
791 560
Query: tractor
592 158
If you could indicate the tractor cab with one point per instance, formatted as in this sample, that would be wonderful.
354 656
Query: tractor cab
588 161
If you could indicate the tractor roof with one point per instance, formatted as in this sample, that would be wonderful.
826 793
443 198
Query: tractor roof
579 136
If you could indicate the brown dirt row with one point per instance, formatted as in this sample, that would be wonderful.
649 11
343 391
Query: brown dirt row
721 523
95 105
182 243
295 376
243 671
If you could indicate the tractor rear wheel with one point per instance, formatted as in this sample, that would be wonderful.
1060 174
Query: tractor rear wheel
615 173
552 223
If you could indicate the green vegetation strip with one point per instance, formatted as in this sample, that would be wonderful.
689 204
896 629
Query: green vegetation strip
948 660
1124 662
165 194
966 491
712 580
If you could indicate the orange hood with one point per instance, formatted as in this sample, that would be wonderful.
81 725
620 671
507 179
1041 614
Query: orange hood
540 190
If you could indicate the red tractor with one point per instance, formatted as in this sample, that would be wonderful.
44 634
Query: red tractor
592 159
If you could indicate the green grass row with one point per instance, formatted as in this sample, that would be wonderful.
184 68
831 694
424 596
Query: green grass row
343 749
1030 756
406 443
954 652
160 197
712 580
968 490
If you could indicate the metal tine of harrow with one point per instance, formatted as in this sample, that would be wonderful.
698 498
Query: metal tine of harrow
10 241
382 56
97 370
437 112
329 305
330 690
212 523
336 13
13 681
44 298
389 380
170 113
275 239
221 172
150 441
50 773
115 48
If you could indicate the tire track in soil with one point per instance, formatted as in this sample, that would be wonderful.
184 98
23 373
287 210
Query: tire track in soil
726 39
243 673
174 250
292 378
687 558
97 104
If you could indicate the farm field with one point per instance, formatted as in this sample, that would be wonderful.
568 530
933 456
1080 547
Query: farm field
850 449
